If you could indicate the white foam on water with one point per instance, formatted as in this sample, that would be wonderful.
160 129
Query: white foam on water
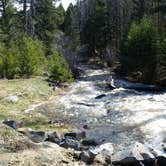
140 110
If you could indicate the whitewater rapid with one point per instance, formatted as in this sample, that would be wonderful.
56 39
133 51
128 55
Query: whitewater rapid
121 116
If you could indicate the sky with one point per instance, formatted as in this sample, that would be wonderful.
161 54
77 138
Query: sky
66 3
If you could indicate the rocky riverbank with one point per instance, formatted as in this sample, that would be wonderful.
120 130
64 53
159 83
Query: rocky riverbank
24 146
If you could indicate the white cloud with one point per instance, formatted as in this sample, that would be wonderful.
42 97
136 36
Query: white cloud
67 2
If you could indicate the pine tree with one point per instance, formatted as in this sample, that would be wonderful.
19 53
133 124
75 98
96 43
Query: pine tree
60 11
71 25
45 27
68 21
8 21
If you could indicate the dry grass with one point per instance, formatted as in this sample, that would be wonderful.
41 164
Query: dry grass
29 91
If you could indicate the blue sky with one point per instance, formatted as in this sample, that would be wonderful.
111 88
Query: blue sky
66 3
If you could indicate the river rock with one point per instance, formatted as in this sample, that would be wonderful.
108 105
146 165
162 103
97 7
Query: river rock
161 161
86 127
12 99
88 156
100 96
128 161
78 135
148 162
37 136
89 142
13 124
141 152
70 143
53 137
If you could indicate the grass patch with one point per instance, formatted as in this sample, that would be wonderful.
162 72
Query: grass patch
29 91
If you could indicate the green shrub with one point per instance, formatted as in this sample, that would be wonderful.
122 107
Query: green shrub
59 70
22 58
139 51
8 61
25 57
31 57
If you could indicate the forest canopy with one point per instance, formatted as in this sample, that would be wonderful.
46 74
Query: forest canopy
127 33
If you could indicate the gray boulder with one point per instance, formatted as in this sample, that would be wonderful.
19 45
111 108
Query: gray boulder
128 161
37 136
13 124
70 143
53 137
89 142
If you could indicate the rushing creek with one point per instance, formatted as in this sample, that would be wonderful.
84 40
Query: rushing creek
121 116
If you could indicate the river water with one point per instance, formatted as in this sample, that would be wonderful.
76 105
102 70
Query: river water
122 117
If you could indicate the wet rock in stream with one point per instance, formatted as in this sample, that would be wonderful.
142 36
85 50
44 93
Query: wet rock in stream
86 127
100 96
